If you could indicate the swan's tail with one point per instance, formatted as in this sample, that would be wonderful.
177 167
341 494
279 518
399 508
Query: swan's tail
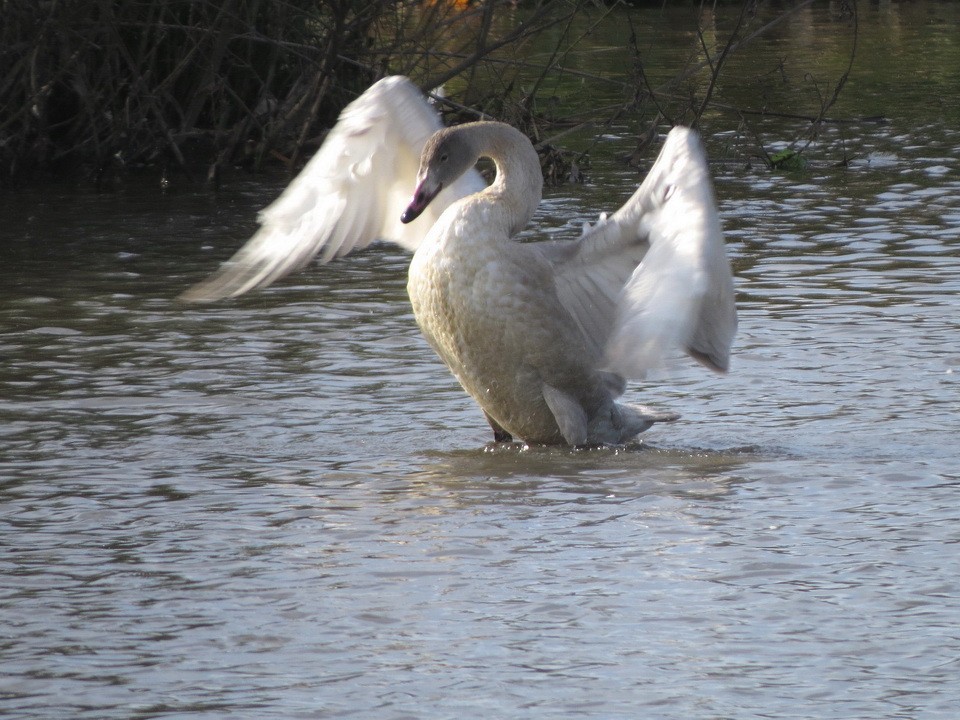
637 418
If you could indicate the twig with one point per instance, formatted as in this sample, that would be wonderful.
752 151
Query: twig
716 67
522 30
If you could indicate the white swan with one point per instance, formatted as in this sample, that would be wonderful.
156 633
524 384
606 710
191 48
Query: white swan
541 335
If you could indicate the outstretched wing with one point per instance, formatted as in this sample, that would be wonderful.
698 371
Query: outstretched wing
654 277
351 193
592 272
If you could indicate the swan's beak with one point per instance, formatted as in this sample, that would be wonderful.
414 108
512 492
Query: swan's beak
422 196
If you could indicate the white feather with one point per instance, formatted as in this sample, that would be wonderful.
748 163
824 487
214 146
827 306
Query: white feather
351 193
653 278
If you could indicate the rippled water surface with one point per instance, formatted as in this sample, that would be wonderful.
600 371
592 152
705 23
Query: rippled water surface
284 507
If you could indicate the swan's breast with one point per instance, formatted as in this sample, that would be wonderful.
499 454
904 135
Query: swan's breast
463 294
483 305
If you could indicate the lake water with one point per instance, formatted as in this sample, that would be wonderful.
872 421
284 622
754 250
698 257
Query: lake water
284 506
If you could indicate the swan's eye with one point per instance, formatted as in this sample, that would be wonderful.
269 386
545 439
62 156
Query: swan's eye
444 157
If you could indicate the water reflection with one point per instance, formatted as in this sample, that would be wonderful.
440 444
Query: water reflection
632 471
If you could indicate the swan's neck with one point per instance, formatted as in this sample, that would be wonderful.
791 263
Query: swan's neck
518 187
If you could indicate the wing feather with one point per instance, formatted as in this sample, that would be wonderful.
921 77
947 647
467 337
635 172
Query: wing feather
591 274
653 278
351 193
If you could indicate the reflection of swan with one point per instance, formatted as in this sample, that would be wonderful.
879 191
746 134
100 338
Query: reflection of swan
541 335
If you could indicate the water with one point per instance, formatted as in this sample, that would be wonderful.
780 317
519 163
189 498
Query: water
284 507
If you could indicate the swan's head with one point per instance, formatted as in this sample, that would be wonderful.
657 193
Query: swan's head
447 155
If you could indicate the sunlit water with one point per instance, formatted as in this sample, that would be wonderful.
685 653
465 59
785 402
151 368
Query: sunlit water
283 506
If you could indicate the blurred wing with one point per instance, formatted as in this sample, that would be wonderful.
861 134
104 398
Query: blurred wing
681 295
351 193
591 274
654 277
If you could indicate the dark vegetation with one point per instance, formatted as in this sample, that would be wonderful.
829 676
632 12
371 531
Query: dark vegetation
99 87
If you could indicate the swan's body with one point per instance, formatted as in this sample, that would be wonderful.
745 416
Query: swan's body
541 335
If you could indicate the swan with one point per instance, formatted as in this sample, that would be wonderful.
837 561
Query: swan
543 335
